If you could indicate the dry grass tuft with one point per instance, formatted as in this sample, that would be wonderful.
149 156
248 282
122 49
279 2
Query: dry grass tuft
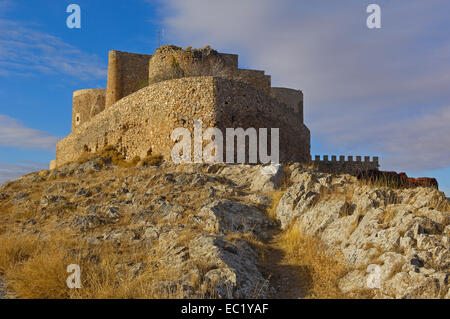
440 203
276 197
389 214
110 155
34 267
318 272
151 160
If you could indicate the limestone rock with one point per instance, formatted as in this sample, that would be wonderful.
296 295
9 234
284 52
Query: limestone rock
268 179
232 217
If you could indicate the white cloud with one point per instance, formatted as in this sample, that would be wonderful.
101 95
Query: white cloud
15 134
370 91
9 171
25 51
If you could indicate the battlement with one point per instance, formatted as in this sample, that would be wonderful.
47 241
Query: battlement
335 164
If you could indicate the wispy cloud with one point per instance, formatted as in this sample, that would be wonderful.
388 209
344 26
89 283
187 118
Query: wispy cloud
5 6
370 91
25 51
13 133
9 171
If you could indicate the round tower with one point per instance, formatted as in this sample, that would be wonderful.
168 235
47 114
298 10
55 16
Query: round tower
86 104
172 62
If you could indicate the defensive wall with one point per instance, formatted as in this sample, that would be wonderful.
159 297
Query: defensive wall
345 166
148 96
142 123
86 104
292 98
127 73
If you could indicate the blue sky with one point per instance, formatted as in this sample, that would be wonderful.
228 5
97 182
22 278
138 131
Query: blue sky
378 92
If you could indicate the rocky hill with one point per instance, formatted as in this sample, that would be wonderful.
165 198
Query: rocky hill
219 231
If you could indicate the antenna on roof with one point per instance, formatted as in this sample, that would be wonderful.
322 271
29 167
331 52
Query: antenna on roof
161 33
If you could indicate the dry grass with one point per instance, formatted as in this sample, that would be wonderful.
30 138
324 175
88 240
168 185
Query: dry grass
151 160
318 272
440 203
389 214
276 197
382 181
34 267
110 155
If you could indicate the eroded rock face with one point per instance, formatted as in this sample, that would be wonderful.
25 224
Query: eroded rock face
394 242
402 233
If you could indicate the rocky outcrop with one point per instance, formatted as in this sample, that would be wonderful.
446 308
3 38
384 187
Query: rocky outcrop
197 215
206 219
398 238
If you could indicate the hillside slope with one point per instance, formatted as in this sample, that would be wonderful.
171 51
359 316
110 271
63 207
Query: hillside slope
218 231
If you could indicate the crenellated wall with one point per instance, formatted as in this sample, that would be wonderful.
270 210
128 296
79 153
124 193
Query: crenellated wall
346 166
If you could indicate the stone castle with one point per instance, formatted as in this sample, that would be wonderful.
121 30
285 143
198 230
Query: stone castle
148 96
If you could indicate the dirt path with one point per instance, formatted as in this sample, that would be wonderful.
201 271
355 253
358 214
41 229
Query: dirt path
283 277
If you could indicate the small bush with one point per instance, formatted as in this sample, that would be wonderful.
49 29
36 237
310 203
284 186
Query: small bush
109 155
151 160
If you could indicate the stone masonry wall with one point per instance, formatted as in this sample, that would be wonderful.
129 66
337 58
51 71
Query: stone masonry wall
255 78
173 62
142 122
241 105
127 73
86 104
343 166
292 98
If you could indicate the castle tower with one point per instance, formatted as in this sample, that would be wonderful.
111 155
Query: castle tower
292 98
127 73
86 104
171 62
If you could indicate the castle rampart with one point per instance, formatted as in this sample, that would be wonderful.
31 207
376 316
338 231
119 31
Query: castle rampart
127 73
148 96
341 165
86 104
255 78
142 122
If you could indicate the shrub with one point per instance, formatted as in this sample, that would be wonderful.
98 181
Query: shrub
108 155
151 160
